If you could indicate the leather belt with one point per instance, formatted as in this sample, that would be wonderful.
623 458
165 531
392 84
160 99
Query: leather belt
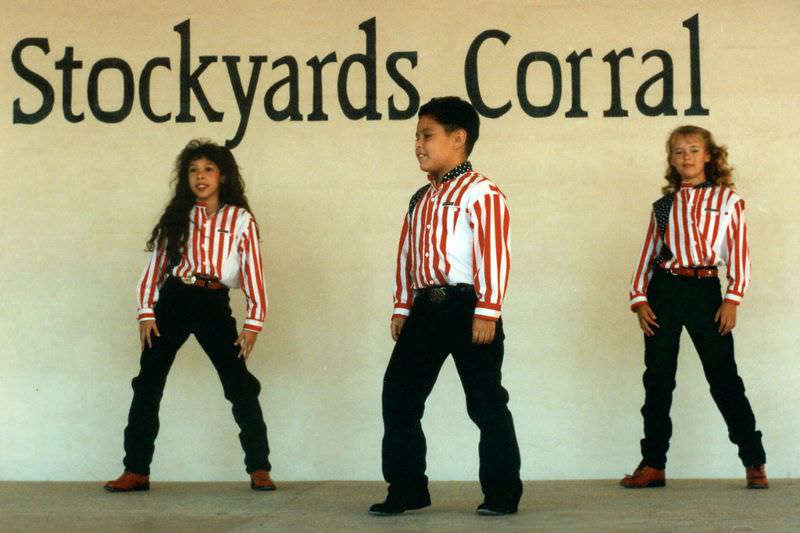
201 281
440 293
693 272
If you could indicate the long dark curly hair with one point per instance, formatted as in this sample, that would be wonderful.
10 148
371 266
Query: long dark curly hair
172 230
718 171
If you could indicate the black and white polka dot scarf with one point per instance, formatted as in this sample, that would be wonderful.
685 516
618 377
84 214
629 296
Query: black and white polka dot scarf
466 166
661 209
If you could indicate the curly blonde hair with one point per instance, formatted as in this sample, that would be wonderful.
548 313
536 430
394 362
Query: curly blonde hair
718 171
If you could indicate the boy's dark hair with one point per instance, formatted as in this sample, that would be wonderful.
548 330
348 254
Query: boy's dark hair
453 113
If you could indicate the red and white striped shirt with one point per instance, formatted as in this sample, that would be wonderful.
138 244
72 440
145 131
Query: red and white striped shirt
456 233
705 227
223 246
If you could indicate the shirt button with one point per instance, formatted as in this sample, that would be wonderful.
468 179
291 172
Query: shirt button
426 254
429 226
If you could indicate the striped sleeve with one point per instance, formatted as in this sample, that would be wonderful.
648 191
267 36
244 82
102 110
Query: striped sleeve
492 234
252 275
403 292
738 255
644 266
149 282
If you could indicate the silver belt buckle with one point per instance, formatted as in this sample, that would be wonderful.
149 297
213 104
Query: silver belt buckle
437 295
188 280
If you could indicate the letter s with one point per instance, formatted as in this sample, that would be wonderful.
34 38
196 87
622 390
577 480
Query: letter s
21 117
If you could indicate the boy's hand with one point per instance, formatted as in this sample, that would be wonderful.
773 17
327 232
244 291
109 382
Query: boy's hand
147 327
647 319
247 339
482 331
397 326
726 316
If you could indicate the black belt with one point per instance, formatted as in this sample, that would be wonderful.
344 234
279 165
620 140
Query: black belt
439 293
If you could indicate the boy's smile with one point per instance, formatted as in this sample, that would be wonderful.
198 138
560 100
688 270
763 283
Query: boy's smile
689 156
437 150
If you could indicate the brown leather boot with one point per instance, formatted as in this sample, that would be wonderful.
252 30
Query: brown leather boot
260 480
644 477
756 477
128 482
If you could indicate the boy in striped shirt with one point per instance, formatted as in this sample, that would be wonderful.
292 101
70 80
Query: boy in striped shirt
452 273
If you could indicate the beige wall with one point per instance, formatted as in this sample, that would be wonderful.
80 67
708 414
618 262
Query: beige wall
330 196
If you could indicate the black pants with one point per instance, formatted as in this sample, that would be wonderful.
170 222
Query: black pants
182 310
677 302
431 332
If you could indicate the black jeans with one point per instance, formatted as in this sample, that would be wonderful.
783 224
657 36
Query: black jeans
679 301
431 333
182 310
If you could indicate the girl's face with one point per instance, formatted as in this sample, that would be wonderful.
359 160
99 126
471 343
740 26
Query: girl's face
689 155
205 179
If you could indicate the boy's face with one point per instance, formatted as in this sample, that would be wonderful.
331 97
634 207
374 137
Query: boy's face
438 151
689 156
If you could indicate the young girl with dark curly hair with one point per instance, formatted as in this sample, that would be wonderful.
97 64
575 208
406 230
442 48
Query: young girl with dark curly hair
695 228
205 242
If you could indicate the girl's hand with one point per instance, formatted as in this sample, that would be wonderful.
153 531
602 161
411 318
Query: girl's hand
145 328
397 326
726 316
247 339
647 319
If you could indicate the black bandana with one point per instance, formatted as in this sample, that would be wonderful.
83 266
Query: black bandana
661 209
466 166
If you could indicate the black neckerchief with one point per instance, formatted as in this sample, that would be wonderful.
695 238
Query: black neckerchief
661 209
466 166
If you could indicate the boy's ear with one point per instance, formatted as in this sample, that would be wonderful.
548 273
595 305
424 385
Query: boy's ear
460 137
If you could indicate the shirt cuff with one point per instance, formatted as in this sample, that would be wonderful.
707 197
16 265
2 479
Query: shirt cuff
732 297
638 301
400 311
253 325
146 314
487 311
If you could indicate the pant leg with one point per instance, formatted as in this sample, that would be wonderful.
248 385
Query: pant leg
661 364
215 330
413 368
148 386
479 368
719 366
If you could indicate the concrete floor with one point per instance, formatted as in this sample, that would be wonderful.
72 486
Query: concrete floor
576 506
